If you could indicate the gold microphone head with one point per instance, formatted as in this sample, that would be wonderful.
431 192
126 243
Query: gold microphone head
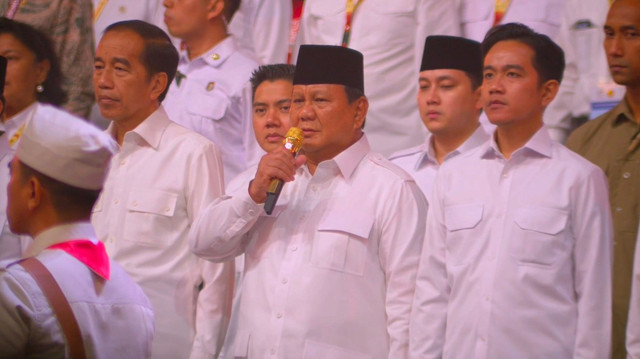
293 140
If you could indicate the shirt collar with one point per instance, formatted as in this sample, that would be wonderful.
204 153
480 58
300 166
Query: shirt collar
540 143
216 56
429 156
622 112
348 160
150 130
59 234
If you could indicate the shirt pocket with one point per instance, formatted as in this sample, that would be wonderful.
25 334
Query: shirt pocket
210 108
539 236
460 221
316 350
150 217
341 242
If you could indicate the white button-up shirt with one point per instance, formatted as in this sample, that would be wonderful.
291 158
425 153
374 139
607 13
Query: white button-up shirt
111 11
11 244
390 35
162 178
262 29
331 272
576 25
116 321
517 257
214 99
420 161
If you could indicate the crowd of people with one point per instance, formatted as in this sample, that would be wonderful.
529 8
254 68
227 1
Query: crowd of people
433 210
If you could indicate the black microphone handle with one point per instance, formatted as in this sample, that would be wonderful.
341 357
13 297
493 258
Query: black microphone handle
272 196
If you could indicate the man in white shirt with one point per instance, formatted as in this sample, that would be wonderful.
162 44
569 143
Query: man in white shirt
330 272
211 93
159 182
56 177
449 104
517 257
576 26
390 36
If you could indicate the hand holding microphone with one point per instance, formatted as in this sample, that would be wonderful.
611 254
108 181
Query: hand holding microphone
275 168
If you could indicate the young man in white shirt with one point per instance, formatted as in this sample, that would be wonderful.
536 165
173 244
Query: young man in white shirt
158 183
211 94
449 104
330 272
517 257
56 176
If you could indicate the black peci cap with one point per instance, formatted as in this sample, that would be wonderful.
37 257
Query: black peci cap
325 64
452 52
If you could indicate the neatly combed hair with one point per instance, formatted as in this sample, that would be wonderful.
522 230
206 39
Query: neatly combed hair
548 59
70 202
41 46
271 73
352 93
159 54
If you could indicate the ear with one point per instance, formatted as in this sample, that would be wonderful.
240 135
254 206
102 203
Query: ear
361 108
33 194
42 70
214 8
159 83
477 97
549 91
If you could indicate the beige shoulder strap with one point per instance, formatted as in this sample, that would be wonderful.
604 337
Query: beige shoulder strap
59 304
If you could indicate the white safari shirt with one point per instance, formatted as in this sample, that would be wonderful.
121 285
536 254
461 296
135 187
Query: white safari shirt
331 272
162 178
420 161
517 257
114 316
214 99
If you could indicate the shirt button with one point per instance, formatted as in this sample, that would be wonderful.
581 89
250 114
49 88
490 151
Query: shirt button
626 175
252 212
294 248
279 315
167 209
116 201
122 162
135 204
618 209
483 339
506 175
284 281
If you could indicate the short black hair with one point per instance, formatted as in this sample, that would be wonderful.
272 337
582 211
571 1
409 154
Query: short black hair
41 46
476 81
159 54
271 73
548 58
230 8
70 203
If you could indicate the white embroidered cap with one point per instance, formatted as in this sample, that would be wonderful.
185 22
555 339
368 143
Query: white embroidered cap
66 148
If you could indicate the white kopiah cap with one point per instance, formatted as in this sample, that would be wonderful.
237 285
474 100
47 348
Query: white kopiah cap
66 148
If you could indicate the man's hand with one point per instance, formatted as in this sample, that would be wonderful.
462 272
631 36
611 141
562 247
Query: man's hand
278 164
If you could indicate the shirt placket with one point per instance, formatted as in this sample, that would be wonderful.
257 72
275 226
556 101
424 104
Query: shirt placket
290 264
496 240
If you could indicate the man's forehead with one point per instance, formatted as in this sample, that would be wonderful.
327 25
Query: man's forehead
509 53
624 13
119 42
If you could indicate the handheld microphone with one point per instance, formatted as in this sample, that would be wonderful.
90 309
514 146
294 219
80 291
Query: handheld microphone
292 143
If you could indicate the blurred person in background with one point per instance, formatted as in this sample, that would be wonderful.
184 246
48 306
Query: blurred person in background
69 25
33 76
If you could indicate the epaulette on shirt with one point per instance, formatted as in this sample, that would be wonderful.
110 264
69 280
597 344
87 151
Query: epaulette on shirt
408 152
393 168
